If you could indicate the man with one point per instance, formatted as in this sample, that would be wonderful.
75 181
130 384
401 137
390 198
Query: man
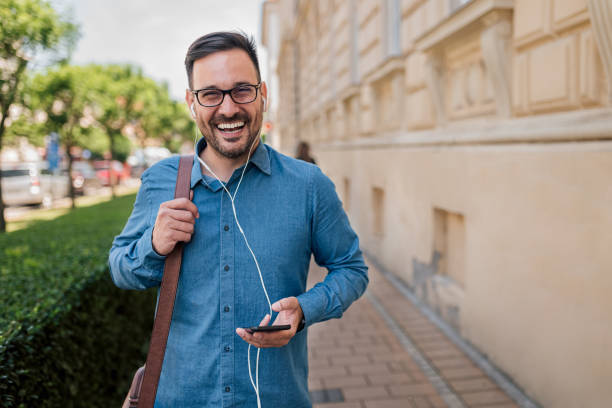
288 211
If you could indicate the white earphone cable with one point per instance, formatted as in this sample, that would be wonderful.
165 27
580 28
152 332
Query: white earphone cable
255 383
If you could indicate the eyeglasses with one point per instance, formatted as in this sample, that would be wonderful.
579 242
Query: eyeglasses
210 97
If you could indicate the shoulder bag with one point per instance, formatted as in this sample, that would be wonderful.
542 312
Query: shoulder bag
144 385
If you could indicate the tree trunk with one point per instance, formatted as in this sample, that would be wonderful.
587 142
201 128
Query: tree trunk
2 219
69 143
70 184
111 175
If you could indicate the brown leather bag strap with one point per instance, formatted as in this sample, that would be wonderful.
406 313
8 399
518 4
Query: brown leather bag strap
165 304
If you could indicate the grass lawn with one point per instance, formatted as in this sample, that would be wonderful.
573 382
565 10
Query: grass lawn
30 218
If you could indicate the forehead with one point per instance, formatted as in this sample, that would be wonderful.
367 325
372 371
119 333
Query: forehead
223 69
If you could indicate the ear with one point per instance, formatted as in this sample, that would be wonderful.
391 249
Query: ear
264 95
190 100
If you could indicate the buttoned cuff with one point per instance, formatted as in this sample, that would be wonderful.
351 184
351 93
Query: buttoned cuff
312 307
151 260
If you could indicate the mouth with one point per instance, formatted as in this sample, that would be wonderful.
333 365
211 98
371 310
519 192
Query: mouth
231 128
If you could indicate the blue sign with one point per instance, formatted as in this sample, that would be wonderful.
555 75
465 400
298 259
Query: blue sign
53 151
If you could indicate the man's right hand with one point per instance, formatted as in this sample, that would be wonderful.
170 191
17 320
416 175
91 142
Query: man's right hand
174 223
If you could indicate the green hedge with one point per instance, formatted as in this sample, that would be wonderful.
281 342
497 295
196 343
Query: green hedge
68 336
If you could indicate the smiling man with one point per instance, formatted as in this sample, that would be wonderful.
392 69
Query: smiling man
255 219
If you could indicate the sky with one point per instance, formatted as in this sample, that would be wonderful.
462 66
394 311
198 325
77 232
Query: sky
155 34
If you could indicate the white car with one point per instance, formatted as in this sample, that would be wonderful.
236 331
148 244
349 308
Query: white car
30 184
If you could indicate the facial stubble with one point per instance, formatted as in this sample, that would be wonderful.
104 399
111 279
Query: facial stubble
208 132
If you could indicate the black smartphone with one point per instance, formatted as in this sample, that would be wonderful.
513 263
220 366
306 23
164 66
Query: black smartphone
268 328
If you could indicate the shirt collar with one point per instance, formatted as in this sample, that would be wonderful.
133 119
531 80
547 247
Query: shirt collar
260 158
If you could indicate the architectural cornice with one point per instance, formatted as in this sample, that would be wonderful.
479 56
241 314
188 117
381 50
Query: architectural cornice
349 91
601 13
390 65
465 17
577 126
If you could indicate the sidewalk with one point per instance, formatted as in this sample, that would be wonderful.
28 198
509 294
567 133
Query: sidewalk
384 353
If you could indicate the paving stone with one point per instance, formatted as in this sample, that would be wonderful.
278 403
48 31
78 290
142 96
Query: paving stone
355 404
485 397
315 383
346 381
461 373
361 393
350 360
408 390
328 372
370 368
390 379
476 384
390 403
436 401
451 362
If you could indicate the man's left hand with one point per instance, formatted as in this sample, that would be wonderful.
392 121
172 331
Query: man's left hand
289 312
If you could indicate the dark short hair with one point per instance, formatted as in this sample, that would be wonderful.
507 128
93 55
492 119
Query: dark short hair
220 41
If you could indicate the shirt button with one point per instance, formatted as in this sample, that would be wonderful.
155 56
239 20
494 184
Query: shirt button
227 389
226 228
227 349
226 268
226 309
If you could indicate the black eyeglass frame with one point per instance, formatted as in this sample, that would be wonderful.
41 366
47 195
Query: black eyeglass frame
226 92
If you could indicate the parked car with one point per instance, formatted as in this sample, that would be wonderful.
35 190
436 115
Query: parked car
31 184
84 177
142 159
115 169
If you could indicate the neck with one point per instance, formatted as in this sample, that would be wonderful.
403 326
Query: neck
223 166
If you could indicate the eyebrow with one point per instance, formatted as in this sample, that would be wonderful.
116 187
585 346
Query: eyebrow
233 86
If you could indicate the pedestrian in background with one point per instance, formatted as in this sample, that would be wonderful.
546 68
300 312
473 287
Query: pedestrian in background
303 153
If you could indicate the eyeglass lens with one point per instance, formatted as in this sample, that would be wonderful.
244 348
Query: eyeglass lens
239 94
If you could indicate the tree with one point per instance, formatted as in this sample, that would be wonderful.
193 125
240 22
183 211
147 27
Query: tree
131 103
28 27
64 94
167 120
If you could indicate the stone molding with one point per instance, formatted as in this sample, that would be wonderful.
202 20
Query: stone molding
434 78
389 66
575 126
496 43
464 17
493 20
601 16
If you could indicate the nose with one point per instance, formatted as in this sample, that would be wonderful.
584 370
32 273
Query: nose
228 107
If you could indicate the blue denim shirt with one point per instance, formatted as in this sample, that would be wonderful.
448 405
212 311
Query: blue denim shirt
288 210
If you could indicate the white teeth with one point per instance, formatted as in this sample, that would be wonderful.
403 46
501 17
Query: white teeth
230 125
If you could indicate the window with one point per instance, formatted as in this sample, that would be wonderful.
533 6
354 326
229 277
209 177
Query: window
354 27
457 4
347 194
449 243
393 17
378 208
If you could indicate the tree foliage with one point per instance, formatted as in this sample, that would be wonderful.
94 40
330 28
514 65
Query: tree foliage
64 95
28 27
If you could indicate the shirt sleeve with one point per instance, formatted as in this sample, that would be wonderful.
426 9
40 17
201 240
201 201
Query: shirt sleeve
133 262
335 247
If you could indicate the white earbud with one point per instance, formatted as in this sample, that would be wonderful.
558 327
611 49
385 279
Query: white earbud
192 110
265 103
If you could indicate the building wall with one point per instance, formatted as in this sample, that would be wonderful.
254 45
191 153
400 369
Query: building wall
471 144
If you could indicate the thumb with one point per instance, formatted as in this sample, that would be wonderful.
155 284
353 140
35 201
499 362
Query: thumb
284 304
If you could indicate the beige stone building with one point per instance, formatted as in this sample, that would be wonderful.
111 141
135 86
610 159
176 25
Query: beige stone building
471 144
